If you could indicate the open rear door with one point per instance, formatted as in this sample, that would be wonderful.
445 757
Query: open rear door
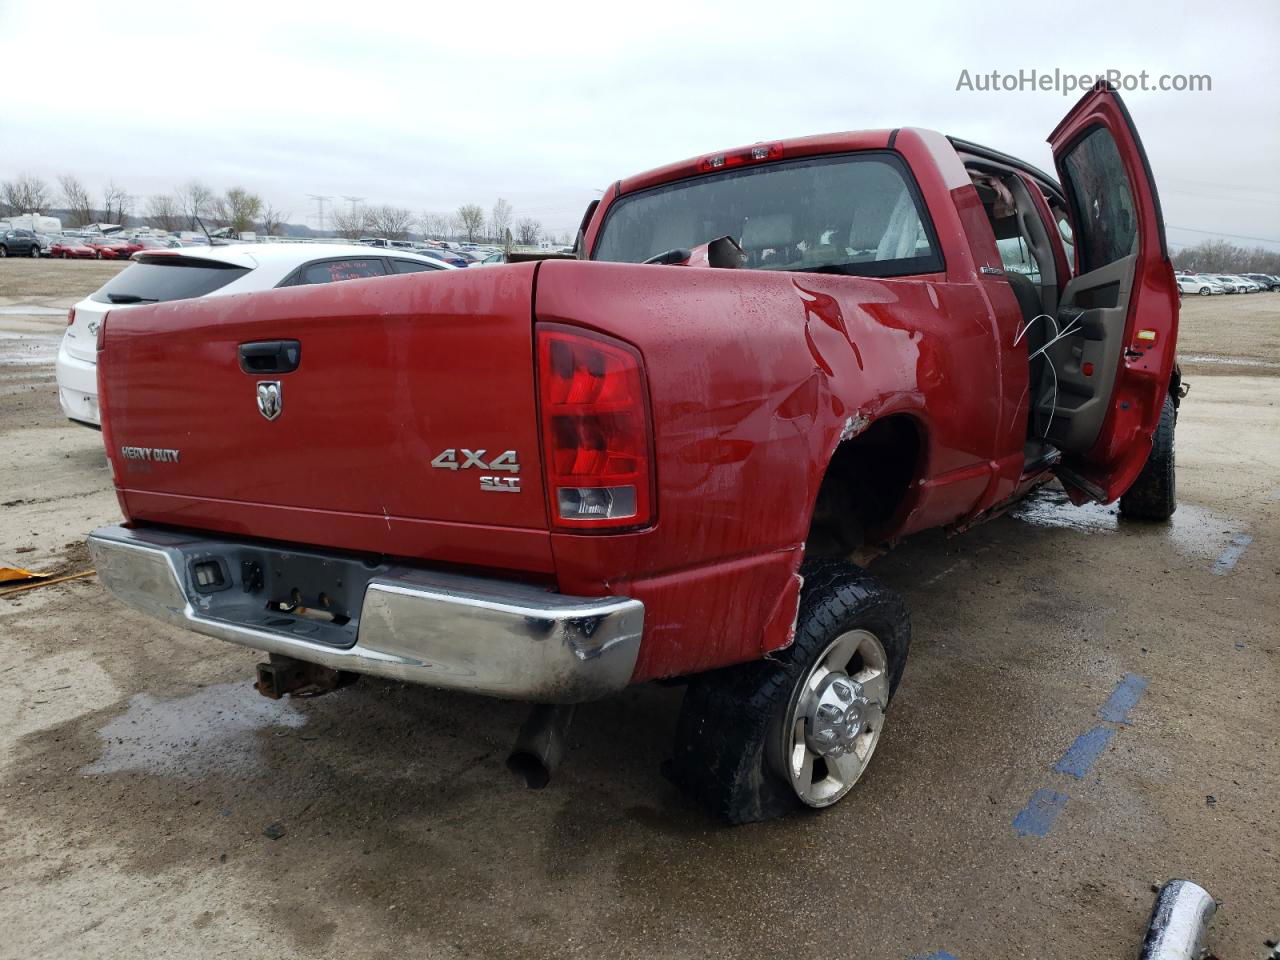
1119 313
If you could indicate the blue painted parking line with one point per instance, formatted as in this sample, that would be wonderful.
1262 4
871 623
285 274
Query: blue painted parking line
1123 698
1080 756
936 955
1227 560
1037 817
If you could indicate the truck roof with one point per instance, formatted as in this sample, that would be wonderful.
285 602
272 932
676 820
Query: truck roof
822 144
794 147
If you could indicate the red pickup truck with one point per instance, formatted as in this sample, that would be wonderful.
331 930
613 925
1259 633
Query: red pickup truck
548 480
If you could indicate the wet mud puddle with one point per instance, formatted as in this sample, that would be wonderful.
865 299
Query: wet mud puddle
1193 531
216 728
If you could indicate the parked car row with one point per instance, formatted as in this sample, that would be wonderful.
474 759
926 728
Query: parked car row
454 254
83 245
1207 284
69 246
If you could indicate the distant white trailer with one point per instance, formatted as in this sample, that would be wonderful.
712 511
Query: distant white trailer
35 222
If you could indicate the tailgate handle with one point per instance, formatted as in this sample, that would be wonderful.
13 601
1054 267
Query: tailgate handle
270 356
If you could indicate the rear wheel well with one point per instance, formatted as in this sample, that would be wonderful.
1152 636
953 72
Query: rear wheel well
865 483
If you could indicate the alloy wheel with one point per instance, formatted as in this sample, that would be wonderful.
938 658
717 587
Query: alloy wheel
834 719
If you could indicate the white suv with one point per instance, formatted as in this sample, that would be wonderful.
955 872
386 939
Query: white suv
157 276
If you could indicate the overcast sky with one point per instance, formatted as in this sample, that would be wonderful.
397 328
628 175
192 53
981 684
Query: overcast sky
431 105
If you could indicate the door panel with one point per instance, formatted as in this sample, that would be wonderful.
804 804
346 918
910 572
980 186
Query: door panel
1119 315
1076 403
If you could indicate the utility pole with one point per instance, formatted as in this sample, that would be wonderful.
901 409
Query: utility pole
320 202
354 201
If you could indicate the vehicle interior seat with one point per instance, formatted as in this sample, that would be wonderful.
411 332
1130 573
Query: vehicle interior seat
769 238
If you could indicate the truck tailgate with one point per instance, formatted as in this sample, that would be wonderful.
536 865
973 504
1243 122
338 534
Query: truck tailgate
392 374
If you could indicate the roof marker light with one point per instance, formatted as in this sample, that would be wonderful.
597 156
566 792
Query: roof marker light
754 154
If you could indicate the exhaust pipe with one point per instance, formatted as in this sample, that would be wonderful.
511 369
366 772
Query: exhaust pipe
541 744
1179 922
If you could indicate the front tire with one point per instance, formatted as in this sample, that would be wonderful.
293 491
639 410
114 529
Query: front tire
4 251
1205 291
798 729
35 253
1154 495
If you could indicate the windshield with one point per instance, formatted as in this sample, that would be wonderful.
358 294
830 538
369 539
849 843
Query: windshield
174 279
854 214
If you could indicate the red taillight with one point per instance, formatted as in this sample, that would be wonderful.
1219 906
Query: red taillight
757 154
595 430
102 333
71 316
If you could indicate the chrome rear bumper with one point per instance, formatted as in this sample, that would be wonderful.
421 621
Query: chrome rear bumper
493 637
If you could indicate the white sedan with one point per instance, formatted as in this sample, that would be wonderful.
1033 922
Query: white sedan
1198 285
156 276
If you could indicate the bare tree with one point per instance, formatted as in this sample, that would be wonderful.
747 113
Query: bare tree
390 222
194 198
238 209
26 193
454 227
433 225
273 220
351 224
164 212
77 201
1222 256
471 220
527 231
116 203
500 220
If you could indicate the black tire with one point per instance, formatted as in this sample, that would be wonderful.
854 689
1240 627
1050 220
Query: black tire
98 256
722 756
1205 291
35 251
4 251
1153 495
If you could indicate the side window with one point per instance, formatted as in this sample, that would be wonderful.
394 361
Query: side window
1065 234
411 266
1106 219
1016 257
334 271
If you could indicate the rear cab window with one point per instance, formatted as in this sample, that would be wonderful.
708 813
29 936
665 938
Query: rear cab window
174 278
858 214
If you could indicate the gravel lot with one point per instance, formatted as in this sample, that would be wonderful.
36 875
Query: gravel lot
152 804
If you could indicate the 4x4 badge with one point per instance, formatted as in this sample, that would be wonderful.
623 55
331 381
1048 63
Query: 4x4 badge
270 398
